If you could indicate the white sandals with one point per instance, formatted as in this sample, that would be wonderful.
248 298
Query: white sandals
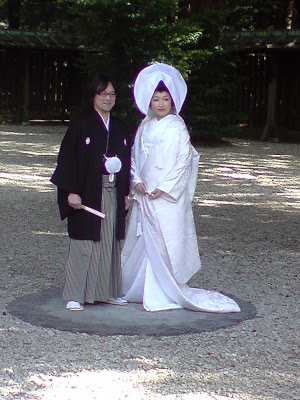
74 305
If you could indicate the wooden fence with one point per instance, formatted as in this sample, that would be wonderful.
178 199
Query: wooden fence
35 84
38 84
252 95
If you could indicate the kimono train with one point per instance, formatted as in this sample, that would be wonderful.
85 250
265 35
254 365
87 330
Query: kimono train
160 253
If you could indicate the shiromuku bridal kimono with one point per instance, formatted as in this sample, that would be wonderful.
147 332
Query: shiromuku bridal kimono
160 253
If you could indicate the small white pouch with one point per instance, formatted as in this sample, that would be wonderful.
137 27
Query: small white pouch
112 165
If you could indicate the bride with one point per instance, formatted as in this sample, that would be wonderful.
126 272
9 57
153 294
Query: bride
160 252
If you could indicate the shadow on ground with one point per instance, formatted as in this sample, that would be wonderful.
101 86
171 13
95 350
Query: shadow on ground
47 309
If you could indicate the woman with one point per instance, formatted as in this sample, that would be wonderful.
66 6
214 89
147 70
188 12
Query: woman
160 253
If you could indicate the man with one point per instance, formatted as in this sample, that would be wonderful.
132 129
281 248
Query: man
94 144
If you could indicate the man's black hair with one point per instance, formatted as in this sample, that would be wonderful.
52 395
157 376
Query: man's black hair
97 84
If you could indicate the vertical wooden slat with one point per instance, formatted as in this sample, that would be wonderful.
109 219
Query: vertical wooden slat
271 122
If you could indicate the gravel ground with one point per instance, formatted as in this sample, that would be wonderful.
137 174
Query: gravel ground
247 216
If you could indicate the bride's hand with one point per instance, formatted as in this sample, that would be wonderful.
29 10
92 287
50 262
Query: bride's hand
140 188
155 194
127 203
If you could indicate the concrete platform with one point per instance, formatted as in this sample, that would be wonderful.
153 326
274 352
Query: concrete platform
47 309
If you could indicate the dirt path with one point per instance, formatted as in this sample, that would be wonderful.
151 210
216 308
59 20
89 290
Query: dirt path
247 213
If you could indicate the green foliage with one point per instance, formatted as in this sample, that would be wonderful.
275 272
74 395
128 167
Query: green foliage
39 15
122 36
256 14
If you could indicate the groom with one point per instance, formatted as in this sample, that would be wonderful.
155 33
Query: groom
93 266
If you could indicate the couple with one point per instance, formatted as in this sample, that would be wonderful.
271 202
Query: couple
98 168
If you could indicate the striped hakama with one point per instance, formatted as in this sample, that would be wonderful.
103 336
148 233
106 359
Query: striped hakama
93 271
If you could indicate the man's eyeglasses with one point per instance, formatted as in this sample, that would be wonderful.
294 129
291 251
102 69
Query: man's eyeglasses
105 94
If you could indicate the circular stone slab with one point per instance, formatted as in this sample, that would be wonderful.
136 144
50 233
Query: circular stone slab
47 309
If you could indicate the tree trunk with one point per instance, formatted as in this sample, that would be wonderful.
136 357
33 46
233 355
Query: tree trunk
271 122
292 10
14 7
197 5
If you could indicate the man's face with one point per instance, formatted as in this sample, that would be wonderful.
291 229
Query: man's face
104 101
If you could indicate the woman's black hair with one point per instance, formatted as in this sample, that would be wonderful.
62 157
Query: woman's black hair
97 84
161 87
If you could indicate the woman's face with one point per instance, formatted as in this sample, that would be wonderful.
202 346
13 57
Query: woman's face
161 103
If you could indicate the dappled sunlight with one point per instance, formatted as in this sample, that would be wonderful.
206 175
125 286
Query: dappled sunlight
240 143
239 176
238 202
48 233
240 173
76 386
85 384
27 181
262 176
12 133
220 203
114 384
30 159
246 208
227 171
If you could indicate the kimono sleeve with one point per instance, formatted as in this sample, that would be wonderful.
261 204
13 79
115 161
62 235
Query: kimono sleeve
65 174
135 177
182 174
127 160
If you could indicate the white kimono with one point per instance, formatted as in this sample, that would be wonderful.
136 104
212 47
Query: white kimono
160 253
